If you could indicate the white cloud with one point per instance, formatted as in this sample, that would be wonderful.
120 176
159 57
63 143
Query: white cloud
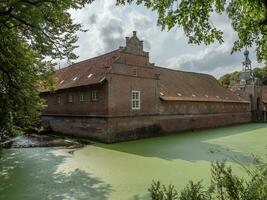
108 25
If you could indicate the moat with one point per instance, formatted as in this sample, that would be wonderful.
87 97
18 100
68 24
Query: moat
125 170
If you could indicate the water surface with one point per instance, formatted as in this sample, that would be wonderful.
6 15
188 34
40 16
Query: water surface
125 170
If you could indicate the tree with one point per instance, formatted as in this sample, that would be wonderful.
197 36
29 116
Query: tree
229 79
32 32
261 73
233 78
248 17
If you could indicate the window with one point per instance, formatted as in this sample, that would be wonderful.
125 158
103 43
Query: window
82 97
70 98
58 99
94 95
134 71
135 100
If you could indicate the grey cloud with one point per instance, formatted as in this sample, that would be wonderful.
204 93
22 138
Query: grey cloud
147 45
112 35
215 61
93 19
142 23
211 61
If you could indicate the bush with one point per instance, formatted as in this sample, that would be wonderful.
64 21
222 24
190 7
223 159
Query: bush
224 186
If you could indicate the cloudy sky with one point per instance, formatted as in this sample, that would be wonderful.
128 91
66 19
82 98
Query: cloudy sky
108 25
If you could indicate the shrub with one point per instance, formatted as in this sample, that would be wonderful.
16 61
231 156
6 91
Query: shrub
224 185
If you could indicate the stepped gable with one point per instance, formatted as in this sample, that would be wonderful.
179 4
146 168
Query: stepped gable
190 86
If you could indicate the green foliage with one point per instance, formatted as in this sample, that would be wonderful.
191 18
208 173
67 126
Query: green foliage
261 73
31 33
229 79
232 78
161 192
248 18
194 191
224 186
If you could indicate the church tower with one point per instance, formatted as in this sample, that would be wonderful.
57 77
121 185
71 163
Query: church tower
246 75
249 84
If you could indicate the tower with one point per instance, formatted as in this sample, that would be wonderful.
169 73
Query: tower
247 62
246 75
249 85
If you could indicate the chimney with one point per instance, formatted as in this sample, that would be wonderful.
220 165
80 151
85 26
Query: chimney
134 33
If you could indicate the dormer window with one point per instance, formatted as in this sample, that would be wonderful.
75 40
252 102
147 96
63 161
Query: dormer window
134 71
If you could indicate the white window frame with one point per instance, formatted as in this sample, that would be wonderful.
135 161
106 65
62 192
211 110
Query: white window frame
94 95
136 100
135 71
58 99
70 98
81 97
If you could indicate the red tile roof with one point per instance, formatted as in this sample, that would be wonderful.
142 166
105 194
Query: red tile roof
87 72
190 86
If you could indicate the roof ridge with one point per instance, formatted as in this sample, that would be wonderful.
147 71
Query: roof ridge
175 70
99 56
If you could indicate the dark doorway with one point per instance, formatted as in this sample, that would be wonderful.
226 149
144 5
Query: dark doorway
258 103
258 111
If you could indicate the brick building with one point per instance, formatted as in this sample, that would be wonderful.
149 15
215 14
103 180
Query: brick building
121 95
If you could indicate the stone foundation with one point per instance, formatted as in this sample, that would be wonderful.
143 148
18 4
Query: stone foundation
85 127
115 129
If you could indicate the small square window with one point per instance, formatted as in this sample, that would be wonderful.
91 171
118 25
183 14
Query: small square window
58 99
136 102
94 95
70 98
82 99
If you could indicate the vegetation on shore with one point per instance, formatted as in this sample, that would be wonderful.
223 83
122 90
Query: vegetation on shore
224 186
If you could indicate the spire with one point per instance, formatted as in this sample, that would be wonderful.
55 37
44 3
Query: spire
247 63
246 75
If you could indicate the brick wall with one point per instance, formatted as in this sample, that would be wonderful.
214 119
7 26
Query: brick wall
202 107
87 107
128 128
85 127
